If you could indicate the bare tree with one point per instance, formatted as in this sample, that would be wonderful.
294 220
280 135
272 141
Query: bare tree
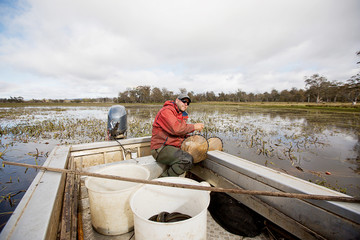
210 96
352 87
335 90
183 90
143 94
168 95
316 85
274 95
157 95
124 97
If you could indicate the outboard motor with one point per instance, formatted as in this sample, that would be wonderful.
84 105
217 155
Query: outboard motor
117 122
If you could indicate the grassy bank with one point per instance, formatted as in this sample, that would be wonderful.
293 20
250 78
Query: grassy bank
343 107
50 104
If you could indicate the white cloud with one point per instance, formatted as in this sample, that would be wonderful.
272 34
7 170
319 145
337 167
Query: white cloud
96 48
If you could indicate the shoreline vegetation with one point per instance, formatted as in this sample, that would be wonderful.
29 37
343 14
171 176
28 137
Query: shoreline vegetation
343 107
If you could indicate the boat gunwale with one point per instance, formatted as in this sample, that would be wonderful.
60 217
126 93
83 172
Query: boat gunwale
287 183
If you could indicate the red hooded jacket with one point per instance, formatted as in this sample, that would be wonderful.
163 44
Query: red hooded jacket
170 127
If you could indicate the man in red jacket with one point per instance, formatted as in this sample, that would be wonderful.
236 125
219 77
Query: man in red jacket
169 131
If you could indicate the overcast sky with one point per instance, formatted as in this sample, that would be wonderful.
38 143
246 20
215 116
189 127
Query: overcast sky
92 48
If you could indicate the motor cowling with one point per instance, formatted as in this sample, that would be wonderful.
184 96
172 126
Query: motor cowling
117 122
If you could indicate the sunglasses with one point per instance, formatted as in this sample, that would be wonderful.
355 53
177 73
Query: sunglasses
185 102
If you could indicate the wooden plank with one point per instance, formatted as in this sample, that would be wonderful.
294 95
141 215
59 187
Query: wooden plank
88 146
89 160
66 209
98 156
144 150
75 207
69 209
110 157
109 149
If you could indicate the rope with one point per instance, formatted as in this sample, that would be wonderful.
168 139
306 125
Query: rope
195 187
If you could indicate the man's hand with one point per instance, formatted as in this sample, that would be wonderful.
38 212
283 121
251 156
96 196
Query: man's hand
198 126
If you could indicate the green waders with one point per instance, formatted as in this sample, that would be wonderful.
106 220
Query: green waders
177 160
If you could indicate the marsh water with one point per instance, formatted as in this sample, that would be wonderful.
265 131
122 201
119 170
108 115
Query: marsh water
318 146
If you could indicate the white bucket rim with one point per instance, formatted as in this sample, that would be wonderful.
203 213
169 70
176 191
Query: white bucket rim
164 179
136 185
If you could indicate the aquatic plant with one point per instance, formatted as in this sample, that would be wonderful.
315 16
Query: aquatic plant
9 197
4 148
323 182
79 130
139 128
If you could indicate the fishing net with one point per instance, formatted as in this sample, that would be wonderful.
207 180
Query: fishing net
215 143
197 146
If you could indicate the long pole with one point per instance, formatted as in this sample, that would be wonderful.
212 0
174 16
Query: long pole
188 186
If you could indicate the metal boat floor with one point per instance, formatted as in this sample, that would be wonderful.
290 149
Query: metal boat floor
214 230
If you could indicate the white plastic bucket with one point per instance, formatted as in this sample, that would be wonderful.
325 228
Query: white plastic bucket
150 200
109 199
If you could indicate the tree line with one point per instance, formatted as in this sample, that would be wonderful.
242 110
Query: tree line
79 100
317 89
12 100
